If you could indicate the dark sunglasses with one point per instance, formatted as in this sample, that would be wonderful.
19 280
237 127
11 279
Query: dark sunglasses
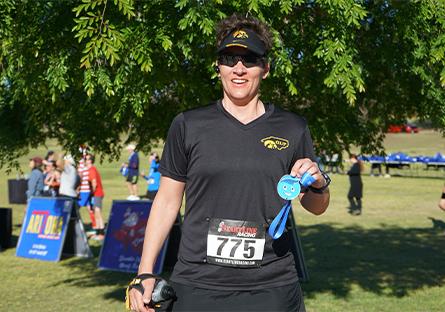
249 60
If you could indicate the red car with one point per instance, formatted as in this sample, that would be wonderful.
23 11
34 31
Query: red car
408 128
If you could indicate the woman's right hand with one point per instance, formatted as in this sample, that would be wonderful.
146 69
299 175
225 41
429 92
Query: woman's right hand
139 302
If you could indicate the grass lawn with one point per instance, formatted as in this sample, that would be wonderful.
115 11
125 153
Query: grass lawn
391 258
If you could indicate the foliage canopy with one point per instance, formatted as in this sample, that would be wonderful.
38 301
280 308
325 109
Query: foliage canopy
97 70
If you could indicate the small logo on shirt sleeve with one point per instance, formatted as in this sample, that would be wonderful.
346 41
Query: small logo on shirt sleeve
272 142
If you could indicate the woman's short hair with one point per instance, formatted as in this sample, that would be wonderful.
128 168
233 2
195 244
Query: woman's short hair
92 158
237 21
49 154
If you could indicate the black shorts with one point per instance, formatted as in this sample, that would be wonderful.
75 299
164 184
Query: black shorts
151 194
133 179
277 299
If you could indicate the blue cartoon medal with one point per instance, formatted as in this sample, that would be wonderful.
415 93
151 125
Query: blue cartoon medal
288 188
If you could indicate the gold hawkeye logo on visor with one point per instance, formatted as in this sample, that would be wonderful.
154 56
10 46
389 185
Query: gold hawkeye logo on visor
272 142
240 34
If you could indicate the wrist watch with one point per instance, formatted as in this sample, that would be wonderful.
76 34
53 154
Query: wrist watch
321 189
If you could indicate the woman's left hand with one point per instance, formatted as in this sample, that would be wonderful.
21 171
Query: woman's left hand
306 165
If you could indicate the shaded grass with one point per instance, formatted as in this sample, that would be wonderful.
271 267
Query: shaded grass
389 261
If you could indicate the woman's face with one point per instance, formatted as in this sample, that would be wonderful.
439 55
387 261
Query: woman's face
49 167
88 161
240 83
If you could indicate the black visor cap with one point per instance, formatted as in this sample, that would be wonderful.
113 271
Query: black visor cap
245 38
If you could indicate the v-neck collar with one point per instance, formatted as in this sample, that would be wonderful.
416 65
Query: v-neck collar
269 108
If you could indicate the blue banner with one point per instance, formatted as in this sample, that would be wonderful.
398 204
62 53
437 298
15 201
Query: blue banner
44 228
124 239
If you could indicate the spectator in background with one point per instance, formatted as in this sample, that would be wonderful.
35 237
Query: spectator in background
321 160
98 195
374 167
154 176
35 181
133 172
48 166
85 190
355 193
50 156
387 175
69 179
52 179
334 163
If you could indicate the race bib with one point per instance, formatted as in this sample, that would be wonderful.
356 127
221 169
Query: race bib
235 243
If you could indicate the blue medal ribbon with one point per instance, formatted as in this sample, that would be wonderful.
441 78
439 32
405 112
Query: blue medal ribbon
278 224
288 188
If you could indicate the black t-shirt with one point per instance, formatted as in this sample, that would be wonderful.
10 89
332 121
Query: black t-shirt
231 171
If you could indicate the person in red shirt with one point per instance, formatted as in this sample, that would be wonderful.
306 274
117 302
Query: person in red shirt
97 194
84 188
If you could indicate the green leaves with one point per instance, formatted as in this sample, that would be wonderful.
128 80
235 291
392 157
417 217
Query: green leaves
56 75
126 7
336 48
103 41
90 71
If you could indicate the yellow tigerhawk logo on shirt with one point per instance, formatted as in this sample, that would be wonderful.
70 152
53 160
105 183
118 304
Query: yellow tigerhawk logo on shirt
272 142
240 34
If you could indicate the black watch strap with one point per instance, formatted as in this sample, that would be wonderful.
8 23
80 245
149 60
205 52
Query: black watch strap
137 281
321 189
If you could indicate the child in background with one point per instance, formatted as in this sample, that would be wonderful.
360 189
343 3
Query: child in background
133 172
85 195
98 194
154 176
52 179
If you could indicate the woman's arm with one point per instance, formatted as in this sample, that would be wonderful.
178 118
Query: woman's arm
49 179
163 214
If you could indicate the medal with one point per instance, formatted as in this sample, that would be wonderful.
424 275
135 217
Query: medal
288 188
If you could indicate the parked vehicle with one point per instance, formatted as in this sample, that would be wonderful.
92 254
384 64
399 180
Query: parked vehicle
411 128
408 128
